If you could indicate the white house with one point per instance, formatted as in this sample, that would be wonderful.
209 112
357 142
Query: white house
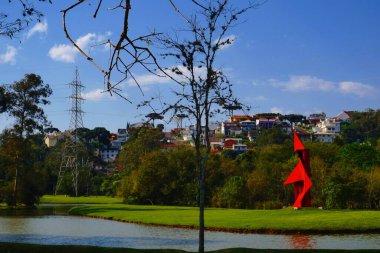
122 137
344 116
109 154
52 139
327 130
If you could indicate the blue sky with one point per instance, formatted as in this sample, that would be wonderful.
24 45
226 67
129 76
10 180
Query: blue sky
289 56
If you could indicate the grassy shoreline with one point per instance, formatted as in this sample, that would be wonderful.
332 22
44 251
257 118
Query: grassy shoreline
63 199
39 248
282 221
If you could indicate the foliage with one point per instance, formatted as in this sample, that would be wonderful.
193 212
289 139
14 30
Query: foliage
232 194
10 26
203 89
141 141
274 135
362 156
22 153
162 178
255 178
362 127
230 153
26 98
23 176
64 199
4 100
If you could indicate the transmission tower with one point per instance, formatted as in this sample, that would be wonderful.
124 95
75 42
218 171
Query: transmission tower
70 159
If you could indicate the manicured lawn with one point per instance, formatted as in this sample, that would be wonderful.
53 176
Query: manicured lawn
283 220
62 199
31 248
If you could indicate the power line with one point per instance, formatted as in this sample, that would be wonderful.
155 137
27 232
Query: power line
70 160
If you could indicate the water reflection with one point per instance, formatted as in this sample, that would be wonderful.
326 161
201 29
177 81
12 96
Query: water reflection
301 242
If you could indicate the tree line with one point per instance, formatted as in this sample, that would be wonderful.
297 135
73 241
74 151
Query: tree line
345 174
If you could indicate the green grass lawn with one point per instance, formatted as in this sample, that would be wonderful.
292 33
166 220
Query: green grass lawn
62 199
32 248
283 220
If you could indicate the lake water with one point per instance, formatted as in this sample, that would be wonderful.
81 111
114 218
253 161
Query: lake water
50 226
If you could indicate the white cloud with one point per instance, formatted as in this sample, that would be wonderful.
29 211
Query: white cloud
40 27
151 79
63 53
94 95
311 83
356 88
304 83
9 56
86 40
229 39
148 79
67 53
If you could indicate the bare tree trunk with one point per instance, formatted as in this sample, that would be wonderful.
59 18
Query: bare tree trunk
201 184
202 189
14 196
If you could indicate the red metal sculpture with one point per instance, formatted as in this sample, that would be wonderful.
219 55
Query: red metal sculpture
300 176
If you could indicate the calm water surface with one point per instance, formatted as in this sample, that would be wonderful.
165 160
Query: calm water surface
52 227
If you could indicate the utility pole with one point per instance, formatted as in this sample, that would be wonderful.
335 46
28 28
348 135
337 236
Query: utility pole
70 159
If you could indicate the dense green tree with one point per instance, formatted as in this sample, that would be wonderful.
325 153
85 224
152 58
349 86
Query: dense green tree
141 141
274 135
294 118
23 175
325 151
258 183
247 160
26 98
361 127
374 188
230 153
362 156
98 134
4 99
233 194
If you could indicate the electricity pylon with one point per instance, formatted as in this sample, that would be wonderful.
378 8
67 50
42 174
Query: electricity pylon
70 159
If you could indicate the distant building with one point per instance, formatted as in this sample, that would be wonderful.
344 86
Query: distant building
52 139
109 154
304 134
240 118
316 118
344 116
239 148
248 125
327 130
230 142
121 138
265 123
230 128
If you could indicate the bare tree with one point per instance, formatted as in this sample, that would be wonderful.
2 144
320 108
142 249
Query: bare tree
127 52
10 26
204 89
